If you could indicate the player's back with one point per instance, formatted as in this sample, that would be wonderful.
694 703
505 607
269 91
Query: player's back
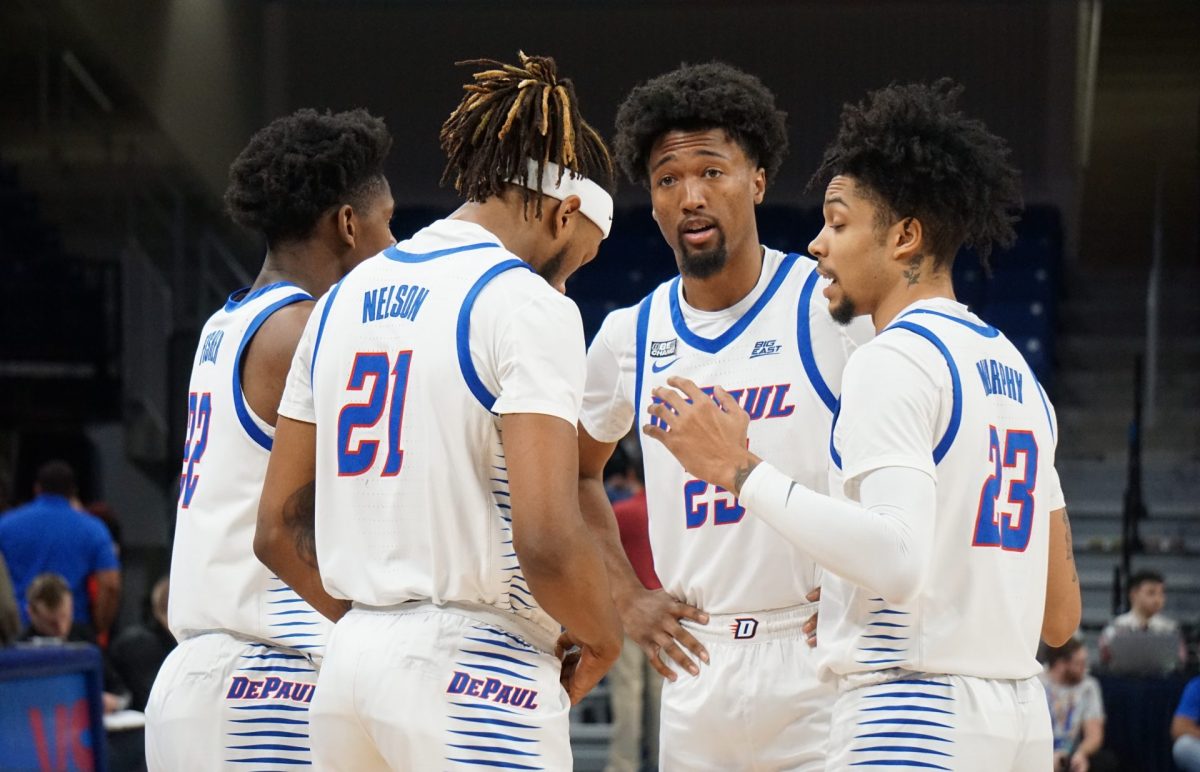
216 581
412 495
979 610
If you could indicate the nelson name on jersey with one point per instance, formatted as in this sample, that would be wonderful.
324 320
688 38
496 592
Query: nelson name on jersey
393 302
999 378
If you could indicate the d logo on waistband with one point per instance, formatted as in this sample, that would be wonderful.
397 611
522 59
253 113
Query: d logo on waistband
744 627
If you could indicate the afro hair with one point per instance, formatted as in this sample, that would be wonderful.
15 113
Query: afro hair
300 166
918 155
696 97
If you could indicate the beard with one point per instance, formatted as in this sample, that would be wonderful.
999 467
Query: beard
844 312
703 264
550 269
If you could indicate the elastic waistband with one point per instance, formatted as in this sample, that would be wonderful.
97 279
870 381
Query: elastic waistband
534 634
753 627
889 675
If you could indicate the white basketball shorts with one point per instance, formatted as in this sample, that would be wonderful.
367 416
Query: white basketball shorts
222 703
422 687
758 705
941 722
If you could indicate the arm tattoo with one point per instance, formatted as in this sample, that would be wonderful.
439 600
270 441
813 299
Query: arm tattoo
299 515
1070 549
913 271
739 476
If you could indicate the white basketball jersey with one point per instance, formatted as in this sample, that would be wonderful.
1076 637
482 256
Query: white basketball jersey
979 611
782 360
412 494
216 581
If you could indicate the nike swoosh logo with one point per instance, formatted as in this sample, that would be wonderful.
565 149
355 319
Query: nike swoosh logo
654 365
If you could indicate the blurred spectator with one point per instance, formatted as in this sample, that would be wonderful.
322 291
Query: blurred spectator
635 687
49 535
51 620
621 472
10 616
139 651
1076 711
1185 728
1147 596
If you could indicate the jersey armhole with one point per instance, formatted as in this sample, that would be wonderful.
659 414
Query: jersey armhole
463 332
251 423
943 446
804 344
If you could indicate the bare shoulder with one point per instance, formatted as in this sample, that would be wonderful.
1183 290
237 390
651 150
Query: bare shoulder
279 335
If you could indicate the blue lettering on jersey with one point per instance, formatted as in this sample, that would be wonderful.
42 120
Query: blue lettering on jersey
759 401
393 302
493 690
765 348
208 352
270 688
999 378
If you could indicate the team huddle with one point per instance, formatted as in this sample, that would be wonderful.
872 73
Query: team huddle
394 550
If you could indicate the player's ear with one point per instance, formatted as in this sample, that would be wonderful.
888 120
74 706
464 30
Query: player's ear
907 239
564 216
760 185
346 224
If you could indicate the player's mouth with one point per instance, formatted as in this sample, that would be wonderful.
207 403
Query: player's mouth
696 231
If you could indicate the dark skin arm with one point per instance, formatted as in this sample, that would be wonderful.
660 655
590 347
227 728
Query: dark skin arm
284 536
1183 726
1061 617
650 617
558 555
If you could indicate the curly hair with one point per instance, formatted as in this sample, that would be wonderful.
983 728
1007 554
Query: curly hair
300 166
513 113
695 97
918 156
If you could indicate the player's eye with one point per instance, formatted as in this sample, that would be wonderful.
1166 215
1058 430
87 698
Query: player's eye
712 173
666 181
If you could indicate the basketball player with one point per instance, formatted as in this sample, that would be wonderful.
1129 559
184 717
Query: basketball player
237 688
946 541
707 139
433 403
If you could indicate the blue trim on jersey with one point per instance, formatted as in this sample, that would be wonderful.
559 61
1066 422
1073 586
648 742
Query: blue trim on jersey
392 253
1046 407
714 345
234 302
804 341
939 452
253 430
463 330
312 366
833 452
986 330
643 328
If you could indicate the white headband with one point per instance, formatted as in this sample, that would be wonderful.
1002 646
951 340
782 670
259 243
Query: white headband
594 201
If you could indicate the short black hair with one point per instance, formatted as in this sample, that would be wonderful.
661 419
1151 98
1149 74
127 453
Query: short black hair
300 166
1055 654
511 114
919 156
1144 577
695 97
56 478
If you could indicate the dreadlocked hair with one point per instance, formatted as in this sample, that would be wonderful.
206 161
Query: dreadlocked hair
915 152
300 166
513 113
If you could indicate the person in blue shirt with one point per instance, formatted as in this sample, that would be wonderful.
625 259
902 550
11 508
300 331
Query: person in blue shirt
50 535
1185 728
